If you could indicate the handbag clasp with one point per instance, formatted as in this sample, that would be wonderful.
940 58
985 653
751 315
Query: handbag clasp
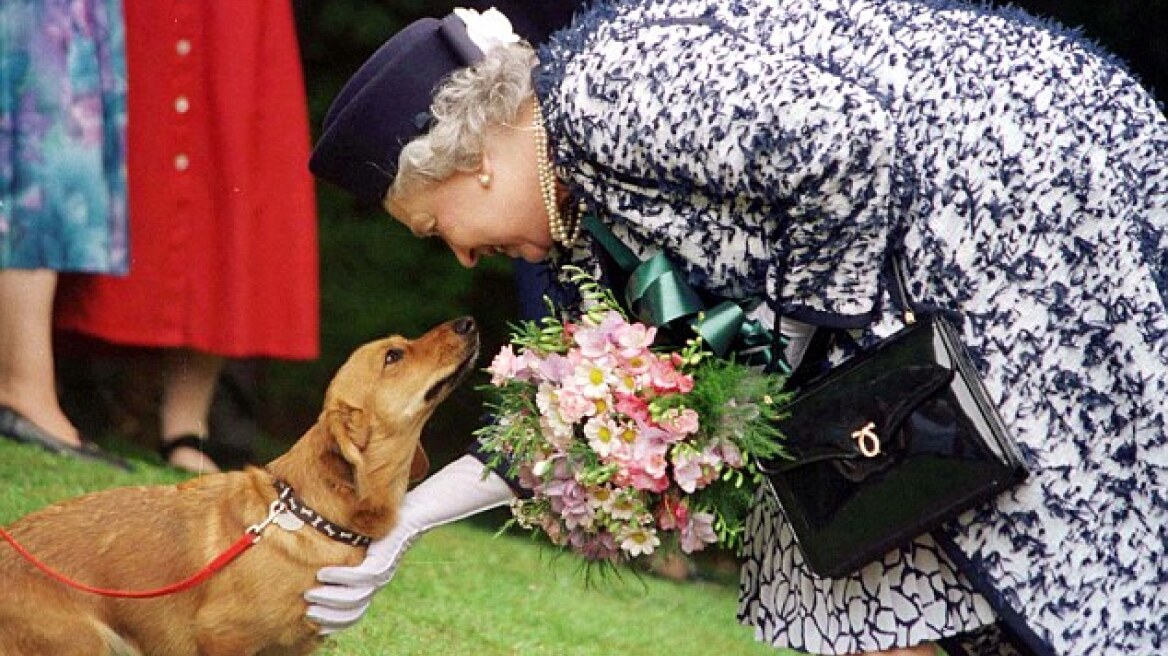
867 440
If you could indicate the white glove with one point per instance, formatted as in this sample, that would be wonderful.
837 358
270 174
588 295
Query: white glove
456 492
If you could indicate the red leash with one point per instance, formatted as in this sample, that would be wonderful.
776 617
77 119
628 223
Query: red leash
250 537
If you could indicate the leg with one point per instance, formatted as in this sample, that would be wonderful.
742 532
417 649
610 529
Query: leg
189 379
27 380
62 630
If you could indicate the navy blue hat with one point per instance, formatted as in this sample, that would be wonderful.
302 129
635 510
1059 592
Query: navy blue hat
387 103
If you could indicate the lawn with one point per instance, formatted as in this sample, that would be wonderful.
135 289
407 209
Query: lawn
462 589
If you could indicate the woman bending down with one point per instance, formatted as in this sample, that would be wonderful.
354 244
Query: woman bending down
781 152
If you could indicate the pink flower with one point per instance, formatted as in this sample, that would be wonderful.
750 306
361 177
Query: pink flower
634 475
672 514
504 366
698 532
625 382
638 364
687 471
596 546
655 465
651 441
555 368
633 339
694 471
570 500
573 406
612 322
592 342
731 454
643 463
633 407
664 377
578 516
680 421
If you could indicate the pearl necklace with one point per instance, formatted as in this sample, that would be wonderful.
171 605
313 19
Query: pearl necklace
547 184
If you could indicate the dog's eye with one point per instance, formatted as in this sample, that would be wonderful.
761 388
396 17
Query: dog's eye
393 355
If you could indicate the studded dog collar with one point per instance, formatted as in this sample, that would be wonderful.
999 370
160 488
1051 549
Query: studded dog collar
316 521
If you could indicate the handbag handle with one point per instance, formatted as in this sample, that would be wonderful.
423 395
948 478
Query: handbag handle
900 283
899 286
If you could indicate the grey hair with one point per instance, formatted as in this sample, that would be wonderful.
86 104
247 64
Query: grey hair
465 106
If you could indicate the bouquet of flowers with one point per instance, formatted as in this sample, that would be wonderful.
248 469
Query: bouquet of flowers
625 446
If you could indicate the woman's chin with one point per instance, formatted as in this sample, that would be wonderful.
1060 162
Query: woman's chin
533 254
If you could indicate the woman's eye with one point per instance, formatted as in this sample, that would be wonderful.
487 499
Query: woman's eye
393 355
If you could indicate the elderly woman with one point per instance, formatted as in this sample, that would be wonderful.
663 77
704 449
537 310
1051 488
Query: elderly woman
782 152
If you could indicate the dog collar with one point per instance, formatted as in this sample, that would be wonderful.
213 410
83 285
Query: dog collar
315 520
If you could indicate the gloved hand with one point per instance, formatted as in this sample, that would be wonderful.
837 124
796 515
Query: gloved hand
456 492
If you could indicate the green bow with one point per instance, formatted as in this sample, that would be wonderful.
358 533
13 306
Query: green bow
657 294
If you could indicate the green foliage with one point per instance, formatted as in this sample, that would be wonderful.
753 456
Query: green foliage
739 404
738 401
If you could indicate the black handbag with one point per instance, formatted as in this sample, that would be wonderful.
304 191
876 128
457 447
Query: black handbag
888 446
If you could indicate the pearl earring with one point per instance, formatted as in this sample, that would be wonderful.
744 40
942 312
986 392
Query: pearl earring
484 180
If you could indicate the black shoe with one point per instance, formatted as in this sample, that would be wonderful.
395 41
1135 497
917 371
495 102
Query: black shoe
187 440
15 426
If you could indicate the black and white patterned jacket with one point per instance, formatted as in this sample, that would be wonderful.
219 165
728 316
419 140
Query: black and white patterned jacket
1023 175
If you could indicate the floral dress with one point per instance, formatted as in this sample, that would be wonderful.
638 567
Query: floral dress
62 136
780 150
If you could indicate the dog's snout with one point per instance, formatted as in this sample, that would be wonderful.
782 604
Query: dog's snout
464 325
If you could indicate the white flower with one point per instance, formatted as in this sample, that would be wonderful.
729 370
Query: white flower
639 541
623 507
592 379
601 498
487 30
602 434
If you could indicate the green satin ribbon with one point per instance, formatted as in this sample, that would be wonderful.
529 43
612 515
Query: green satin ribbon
658 295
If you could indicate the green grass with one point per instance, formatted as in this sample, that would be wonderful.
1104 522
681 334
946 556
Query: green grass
462 589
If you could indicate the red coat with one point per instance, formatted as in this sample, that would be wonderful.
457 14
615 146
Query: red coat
223 241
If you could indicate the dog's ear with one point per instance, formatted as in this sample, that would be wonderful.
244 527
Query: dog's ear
348 429
420 465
